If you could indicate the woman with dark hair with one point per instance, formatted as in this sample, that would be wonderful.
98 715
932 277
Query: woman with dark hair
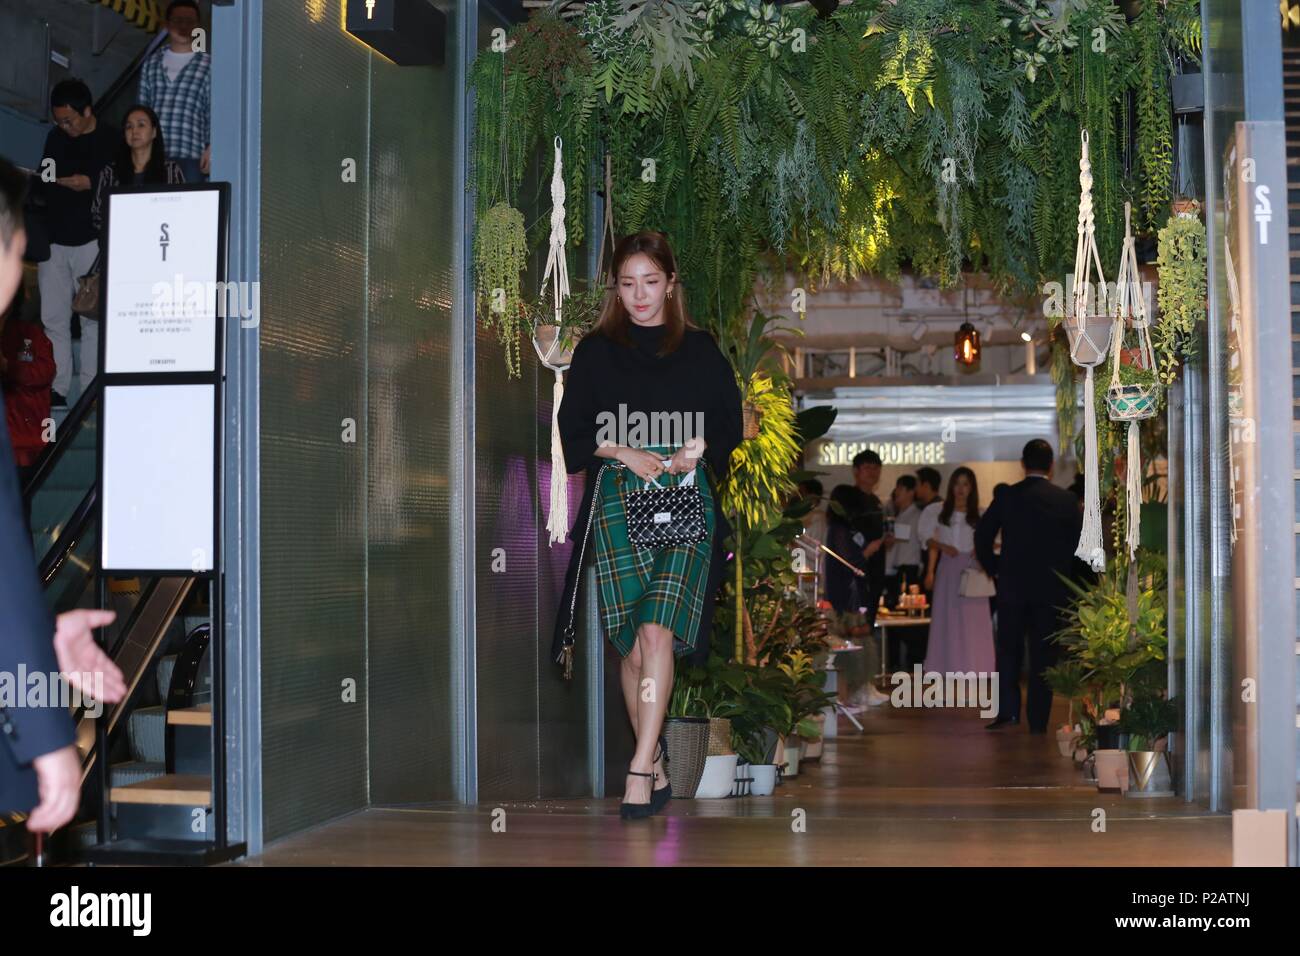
961 628
140 160
649 396
844 589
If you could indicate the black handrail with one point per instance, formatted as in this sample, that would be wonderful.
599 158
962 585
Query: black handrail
129 74
119 640
52 452
69 537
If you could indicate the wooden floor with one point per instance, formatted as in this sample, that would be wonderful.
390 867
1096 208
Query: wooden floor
919 788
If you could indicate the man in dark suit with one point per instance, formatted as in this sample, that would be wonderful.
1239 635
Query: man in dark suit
39 764
1040 525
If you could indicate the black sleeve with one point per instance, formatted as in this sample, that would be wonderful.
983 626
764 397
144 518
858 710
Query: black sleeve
105 150
988 528
873 522
27 634
577 414
724 425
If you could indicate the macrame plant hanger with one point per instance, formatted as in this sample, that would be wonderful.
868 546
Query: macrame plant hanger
1089 335
607 227
552 354
1131 403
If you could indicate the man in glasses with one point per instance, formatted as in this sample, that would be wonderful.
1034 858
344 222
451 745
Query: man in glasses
76 150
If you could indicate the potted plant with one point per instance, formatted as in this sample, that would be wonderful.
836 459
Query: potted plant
719 699
753 733
686 733
500 257
1138 394
747 345
1070 680
554 342
805 698
1147 721
1113 648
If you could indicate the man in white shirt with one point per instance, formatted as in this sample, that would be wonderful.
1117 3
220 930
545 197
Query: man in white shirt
930 502
903 557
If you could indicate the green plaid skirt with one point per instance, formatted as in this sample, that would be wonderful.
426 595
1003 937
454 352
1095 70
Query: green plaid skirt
645 585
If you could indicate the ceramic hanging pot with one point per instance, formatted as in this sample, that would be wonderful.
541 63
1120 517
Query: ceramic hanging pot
546 341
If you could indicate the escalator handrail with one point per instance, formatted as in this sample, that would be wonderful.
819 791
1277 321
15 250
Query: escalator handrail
131 72
123 632
71 535
50 456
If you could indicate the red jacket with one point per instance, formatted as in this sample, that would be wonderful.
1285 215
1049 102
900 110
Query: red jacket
27 387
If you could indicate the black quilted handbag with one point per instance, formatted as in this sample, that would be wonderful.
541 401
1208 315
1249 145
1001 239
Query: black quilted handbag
659 517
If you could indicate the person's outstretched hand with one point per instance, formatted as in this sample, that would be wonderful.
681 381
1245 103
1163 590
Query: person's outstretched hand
80 657
58 779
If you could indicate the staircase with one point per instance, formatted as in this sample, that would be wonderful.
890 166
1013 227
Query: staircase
1291 96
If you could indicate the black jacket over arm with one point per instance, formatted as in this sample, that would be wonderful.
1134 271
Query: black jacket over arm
604 375
27 638
1040 525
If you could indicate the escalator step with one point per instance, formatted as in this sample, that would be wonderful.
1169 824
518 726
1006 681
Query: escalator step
166 665
147 732
136 771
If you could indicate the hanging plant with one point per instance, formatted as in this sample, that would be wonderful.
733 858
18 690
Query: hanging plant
1155 149
500 255
1181 293
577 318
893 98
547 48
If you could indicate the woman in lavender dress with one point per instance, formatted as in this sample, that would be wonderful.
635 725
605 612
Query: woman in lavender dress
961 628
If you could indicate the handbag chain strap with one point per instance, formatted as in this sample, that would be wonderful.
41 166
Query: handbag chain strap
566 650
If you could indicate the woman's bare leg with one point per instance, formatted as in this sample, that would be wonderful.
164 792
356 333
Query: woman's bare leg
651 688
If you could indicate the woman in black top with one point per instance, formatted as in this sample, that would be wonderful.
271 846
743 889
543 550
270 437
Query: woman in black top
845 590
141 159
643 367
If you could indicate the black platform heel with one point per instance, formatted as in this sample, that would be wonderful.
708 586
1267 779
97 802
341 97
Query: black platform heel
659 798
638 811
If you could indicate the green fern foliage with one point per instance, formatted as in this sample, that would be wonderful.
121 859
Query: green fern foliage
936 136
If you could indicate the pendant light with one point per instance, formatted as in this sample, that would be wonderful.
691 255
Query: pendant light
966 345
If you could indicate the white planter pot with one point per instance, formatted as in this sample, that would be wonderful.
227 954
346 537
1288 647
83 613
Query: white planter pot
793 751
719 777
812 749
1065 741
764 775
1112 770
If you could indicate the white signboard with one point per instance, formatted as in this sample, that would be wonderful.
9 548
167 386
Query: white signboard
160 307
158 494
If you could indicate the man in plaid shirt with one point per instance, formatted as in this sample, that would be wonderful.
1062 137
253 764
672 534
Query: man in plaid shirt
175 81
